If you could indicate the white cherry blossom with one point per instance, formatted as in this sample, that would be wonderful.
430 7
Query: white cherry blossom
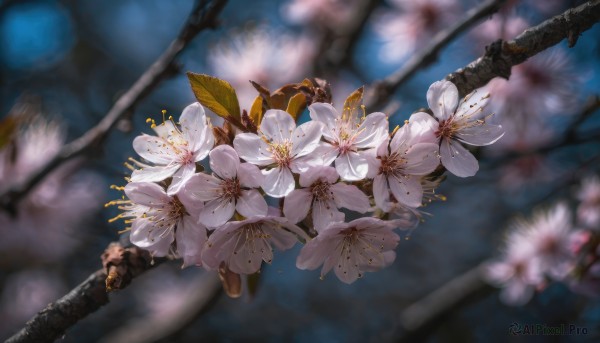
174 152
465 124
348 137
282 148
322 194
233 187
350 249
399 165
244 245
159 219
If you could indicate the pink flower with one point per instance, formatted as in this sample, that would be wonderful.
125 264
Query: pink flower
323 195
174 152
348 138
244 245
362 245
463 124
588 212
500 27
281 147
329 13
399 165
159 219
232 188
412 25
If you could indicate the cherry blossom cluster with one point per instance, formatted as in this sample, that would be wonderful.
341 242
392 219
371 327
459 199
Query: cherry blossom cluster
554 245
335 161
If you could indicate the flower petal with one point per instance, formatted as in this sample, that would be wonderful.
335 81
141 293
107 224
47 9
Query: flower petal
352 166
324 213
305 138
146 235
278 182
224 161
252 149
458 160
202 187
251 204
373 131
329 116
323 155
442 98
190 238
407 190
217 212
297 204
313 174
154 174
277 126
250 176
181 177
193 125
147 194
422 159
314 253
481 135
154 149
381 192
350 197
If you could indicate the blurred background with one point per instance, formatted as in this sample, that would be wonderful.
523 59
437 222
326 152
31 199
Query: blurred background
64 63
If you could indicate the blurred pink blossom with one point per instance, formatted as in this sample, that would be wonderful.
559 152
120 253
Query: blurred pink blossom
328 13
588 211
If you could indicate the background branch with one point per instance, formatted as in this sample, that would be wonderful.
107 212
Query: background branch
203 16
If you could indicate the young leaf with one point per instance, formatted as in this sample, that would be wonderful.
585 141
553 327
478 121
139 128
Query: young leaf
353 102
232 282
296 105
8 128
216 94
256 111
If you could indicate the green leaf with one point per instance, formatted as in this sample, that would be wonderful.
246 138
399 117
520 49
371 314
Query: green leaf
216 94
256 111
296 105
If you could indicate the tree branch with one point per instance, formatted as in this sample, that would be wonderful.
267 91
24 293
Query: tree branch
383 90
500 56
203 16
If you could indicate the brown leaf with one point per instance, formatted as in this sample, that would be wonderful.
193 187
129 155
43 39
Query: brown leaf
8 128
216 94
256 111
296 105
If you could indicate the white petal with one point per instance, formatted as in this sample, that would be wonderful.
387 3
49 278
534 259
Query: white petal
422 159
324 213
217 212
351 166
193 125
323 155
297 204
423 128
480 135
313 254
326 114
154 149
202 187
147 194
458 160
401 140
373 131
373 162
472 104
250 176
381 192
327 174
146 235
206 142
251 204
154 174
278 182
224 161
253 149
350 197
305 138
277 126
407 190
181 177
190 238
442 98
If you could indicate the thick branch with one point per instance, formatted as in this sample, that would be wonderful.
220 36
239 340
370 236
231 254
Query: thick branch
383 90
501 56
121 265
203 16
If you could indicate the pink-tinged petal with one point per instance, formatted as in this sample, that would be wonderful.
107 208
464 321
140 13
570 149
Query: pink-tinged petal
283 236
458 160
350 197
297 204
516 293
324 213
373 131
146 235
251 204
278 182
154 174
217 212
329 116
192 205
147 194
442 98
181 177
224 161
314 253
165 130
193 125
422 159
485 134
347 268
323 155
252 149
277 126
381 192
472 105
373 163
407 190
401 140
207 141
190 238
154 149
352 166
423 128
202 187
313 174
250 176
305 138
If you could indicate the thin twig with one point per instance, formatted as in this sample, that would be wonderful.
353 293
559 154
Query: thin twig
501 56
381 91
203 16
